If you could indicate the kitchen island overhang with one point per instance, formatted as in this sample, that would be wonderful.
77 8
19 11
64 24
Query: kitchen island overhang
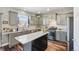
33 41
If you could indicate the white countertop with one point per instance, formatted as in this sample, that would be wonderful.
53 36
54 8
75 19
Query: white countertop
4 33
61 30
23 39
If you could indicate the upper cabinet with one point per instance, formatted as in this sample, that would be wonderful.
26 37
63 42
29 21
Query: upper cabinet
0 21
39 20
61 20
32 20
13 18
49 20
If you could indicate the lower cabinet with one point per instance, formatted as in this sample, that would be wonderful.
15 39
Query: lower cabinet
0 39
27 46
4 40
61 35
40 44
12 40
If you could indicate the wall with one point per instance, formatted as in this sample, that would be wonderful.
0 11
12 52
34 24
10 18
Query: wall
76 28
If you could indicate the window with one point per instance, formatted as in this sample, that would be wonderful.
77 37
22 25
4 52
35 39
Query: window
23 20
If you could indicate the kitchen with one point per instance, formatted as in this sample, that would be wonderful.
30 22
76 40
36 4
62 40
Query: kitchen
35 28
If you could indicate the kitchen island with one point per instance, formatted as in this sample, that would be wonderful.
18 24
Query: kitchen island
34 41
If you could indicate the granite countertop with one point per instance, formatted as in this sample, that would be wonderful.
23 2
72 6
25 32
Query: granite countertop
23 39
61 30
4 33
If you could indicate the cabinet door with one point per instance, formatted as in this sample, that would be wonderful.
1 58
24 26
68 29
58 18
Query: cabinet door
33 20
4 40
0 30
61 20
60 35
13 18
40 44
12 40
0 38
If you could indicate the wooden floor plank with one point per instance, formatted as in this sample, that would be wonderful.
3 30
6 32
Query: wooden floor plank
56 46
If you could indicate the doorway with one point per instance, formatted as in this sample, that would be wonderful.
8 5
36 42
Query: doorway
71 33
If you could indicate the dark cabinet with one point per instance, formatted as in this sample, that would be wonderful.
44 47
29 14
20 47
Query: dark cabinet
40 44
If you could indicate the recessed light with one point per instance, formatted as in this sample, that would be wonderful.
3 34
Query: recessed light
38 12
48 9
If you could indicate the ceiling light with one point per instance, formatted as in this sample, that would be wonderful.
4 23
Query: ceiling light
38 12
48 9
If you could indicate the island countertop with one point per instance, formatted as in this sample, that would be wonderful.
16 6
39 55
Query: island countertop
23 39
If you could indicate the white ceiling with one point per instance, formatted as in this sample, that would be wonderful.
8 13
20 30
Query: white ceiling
44 10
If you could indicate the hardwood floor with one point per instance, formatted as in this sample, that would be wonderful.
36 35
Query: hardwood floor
56 46
52 46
